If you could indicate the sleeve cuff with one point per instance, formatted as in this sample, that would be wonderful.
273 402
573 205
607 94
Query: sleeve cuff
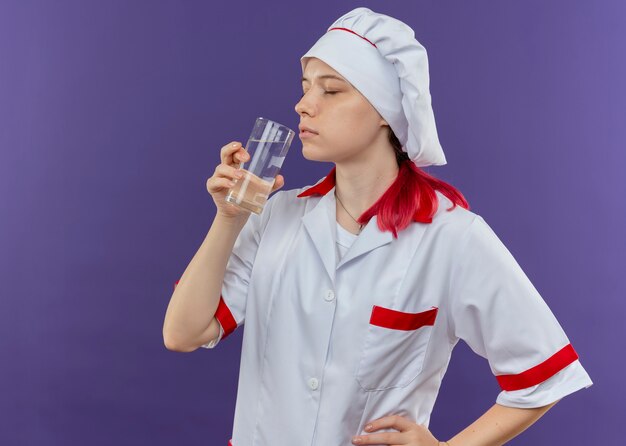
540 372
225 317
214 342
566 381
227 322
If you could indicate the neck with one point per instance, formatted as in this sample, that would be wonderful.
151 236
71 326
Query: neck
360 183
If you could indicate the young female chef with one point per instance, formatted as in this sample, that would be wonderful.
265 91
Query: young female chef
355 291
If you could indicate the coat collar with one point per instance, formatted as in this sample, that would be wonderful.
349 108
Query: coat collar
321 187
328 183
320 222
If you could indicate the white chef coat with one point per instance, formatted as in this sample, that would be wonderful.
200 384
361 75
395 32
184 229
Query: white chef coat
345 239
333 340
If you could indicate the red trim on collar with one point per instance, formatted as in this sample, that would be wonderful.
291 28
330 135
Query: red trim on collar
350 31
322 187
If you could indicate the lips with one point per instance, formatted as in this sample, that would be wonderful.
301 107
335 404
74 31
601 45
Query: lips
304 129
304 134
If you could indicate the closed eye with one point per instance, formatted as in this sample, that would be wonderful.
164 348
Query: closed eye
326 92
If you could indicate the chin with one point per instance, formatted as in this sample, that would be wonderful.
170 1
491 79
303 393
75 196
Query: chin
313 154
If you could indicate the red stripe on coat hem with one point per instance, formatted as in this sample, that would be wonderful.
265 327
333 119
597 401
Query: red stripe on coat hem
540 372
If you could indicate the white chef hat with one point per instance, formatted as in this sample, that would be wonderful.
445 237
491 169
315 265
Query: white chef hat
380 57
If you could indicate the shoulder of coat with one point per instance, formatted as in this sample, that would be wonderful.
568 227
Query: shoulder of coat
457 219
289 197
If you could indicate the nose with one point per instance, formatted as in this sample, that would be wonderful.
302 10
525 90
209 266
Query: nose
304 106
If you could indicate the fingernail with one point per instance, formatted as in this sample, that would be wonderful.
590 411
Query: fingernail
235 144
368 427
239 174
356 439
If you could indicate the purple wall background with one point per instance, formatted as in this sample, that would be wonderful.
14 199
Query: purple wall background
112 115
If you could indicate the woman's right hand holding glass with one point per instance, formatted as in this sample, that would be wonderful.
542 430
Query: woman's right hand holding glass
224 177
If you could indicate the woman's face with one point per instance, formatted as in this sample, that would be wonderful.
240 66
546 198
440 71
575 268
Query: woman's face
345 121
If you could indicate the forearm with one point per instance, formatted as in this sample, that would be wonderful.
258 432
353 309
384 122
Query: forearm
196 297
498 425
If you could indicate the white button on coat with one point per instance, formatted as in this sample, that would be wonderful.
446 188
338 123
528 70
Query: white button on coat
385 345
313 383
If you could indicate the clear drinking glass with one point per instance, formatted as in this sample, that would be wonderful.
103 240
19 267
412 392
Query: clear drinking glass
267 146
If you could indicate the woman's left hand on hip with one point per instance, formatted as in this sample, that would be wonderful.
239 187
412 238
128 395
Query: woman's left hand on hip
410 434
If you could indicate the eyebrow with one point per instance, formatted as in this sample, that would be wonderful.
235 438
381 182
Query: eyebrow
325 76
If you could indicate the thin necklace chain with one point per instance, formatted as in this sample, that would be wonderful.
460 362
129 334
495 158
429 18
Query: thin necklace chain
339 199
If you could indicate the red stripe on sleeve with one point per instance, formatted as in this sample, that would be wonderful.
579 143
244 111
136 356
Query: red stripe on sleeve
224 315
540 372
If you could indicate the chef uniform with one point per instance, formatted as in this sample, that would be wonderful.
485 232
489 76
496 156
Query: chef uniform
343 329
